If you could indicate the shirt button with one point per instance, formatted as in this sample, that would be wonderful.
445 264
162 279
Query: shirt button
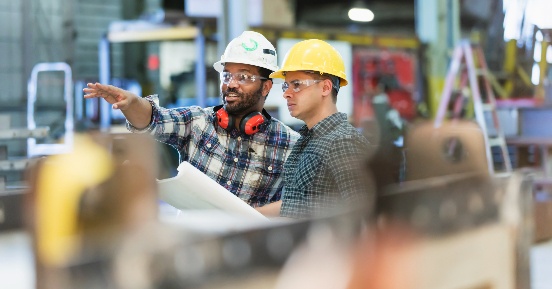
208 145
229 183
235 160
239 138
270 168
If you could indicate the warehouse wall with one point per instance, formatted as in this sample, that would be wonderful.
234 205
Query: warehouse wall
51 31
91 21
11 55
36 31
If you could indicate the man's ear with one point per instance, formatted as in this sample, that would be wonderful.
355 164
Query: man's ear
267 86
327 87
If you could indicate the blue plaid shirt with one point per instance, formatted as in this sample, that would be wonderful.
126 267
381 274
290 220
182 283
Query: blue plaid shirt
249 166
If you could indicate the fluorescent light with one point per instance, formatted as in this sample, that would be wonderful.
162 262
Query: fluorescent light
361 14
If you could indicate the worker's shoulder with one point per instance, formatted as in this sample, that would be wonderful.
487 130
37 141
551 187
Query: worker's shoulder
209 111
278 126
197 112
193 109
347 132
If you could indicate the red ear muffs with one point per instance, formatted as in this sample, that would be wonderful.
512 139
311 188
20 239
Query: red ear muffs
224 120
251 122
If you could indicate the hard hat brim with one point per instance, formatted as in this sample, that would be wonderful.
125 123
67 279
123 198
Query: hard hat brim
219 65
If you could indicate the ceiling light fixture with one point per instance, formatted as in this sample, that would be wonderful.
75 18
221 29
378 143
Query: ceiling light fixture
359 12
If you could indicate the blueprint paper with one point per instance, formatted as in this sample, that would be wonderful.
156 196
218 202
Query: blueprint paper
191 189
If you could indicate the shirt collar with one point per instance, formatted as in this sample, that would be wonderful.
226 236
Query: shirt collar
326 125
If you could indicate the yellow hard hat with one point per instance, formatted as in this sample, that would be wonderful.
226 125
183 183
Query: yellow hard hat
313 55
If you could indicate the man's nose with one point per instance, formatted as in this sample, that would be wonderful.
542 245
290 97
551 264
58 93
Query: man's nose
233 82
288 92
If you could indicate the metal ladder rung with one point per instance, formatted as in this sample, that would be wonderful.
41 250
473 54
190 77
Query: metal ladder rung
487 107
497 141
481 72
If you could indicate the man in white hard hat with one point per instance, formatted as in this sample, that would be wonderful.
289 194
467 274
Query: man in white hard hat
237 144
326 171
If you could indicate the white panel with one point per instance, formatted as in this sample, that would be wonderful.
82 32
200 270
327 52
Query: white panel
237 18
243 13
538 13
344 98
175 57
426 20
203 8
255 12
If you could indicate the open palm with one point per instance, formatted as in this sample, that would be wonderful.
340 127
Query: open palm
119 98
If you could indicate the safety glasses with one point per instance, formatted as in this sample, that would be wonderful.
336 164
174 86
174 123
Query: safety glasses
241 78
299 84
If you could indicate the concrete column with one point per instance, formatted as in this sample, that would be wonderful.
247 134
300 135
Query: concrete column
232 21
222 27
437 26
200 71
237 17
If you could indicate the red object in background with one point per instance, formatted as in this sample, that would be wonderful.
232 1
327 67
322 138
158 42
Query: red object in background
394 69
402 101
153 62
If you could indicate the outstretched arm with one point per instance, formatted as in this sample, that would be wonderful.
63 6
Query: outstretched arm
136 109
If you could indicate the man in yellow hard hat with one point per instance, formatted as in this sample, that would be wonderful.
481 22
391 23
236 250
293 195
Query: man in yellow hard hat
326 170
238 144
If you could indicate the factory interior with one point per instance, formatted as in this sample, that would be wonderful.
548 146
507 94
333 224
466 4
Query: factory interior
453 96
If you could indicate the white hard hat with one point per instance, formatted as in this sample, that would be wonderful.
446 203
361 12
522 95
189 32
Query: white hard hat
249 48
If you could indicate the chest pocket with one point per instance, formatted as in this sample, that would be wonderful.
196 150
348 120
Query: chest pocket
209 148
265 173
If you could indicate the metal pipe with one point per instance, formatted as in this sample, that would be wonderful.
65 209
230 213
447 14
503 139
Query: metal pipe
105 76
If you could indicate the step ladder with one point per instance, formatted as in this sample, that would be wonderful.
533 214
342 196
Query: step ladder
468 76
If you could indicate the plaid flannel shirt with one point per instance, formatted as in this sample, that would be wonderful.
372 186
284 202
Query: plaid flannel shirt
249 166
326 170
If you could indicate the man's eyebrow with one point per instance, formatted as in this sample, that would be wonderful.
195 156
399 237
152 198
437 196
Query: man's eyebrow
240 70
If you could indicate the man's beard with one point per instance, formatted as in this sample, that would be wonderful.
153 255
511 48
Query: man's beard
246 103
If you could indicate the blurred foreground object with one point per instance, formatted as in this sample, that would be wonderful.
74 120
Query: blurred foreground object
453 147
457 231
458 227
82 202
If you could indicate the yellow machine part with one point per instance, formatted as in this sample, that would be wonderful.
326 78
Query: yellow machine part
61 182
436 85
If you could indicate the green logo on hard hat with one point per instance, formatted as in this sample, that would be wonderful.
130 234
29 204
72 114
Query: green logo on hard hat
252 47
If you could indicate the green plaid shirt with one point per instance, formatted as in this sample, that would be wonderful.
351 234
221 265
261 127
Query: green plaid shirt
326 170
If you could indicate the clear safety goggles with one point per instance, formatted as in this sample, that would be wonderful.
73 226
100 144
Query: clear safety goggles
299 84
241 78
